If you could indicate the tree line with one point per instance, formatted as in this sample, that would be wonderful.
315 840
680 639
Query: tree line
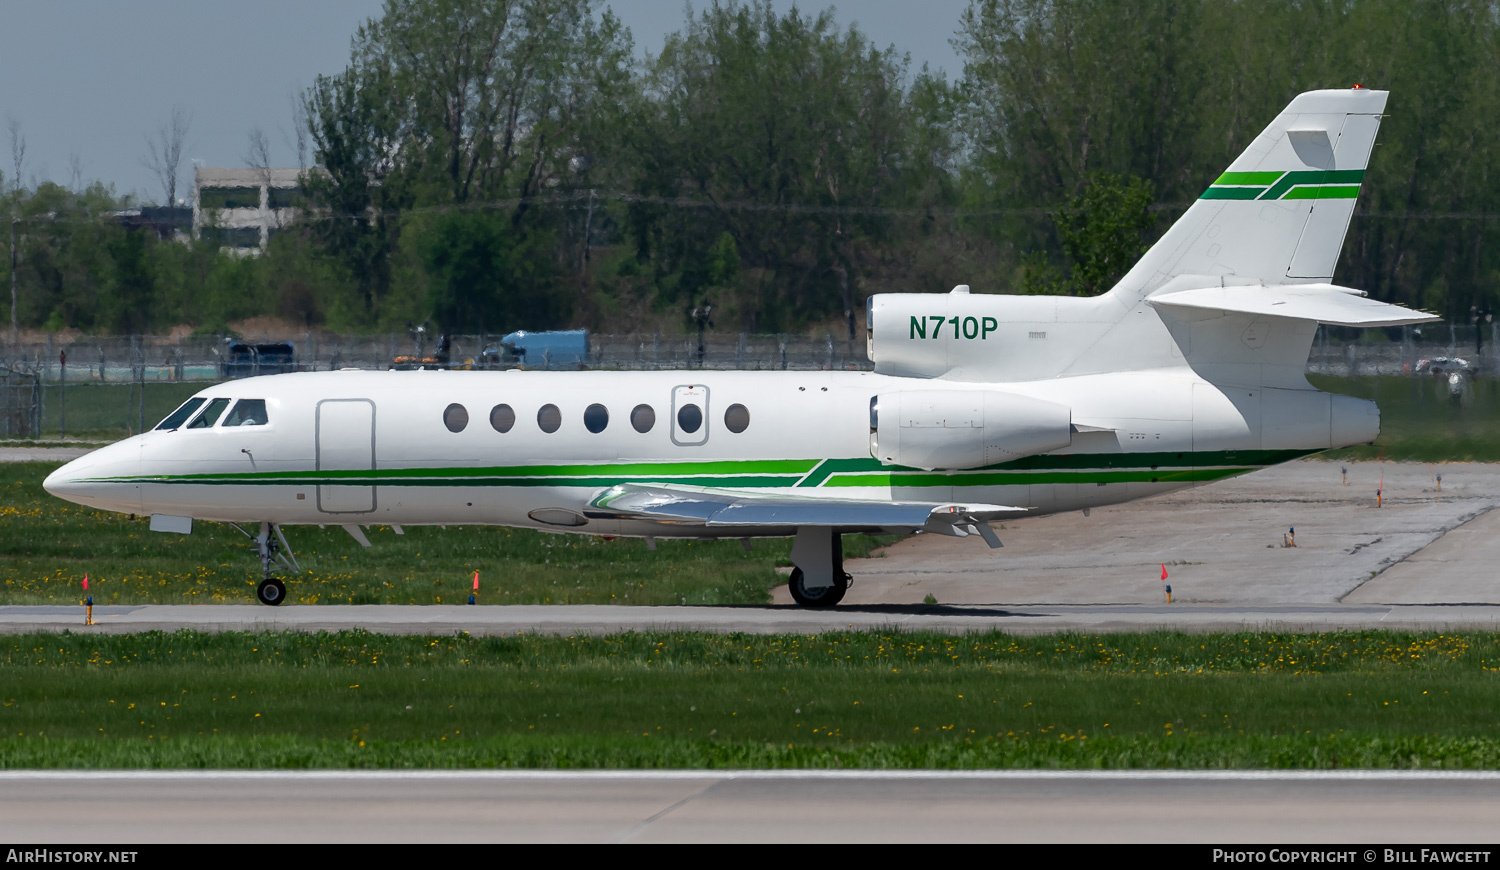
489 165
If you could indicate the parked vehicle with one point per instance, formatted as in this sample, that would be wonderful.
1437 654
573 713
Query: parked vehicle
244 360
567 348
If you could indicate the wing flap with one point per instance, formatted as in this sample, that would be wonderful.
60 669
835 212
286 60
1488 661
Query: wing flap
1324 303
739 508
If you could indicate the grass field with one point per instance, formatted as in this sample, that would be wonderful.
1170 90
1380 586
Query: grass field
696 700
47 545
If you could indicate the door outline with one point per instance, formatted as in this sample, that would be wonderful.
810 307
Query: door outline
318 456
686 391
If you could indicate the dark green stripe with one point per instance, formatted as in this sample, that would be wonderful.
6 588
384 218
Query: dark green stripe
831 466
1232 193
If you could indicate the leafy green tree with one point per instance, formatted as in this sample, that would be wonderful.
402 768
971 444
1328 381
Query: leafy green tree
1104 231
485 275
784 133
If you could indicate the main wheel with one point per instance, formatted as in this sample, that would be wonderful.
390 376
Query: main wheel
271 591
827 596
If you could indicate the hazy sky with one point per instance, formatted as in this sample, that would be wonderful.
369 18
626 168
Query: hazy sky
92 79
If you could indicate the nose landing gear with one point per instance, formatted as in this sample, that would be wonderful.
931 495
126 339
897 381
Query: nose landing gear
269 545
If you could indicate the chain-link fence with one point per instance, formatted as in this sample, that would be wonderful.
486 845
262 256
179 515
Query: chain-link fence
105 386
121 359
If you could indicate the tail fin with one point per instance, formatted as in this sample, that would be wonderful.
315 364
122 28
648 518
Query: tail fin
1279 214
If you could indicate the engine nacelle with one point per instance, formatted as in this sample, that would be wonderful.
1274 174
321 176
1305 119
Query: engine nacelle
956 429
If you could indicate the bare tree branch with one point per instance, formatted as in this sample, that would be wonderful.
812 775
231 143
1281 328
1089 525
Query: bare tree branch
164 150
17 150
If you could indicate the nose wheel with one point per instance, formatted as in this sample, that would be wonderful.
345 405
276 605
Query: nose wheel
271 591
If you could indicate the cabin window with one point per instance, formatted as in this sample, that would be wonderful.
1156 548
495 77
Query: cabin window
595 418
689 418
455 417
247 412
502 418
549 418
737 418
175 419
210 414
643 417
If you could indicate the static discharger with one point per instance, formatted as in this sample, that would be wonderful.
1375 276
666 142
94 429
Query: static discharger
476 588
88 603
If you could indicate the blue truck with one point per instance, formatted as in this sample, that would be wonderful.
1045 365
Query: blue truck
558 349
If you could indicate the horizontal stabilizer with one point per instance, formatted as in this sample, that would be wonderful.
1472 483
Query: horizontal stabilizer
694 506
1323 303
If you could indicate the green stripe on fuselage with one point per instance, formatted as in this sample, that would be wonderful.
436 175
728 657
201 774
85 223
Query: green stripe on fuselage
747 474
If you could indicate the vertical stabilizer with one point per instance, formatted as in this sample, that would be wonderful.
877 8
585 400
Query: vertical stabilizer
1279 213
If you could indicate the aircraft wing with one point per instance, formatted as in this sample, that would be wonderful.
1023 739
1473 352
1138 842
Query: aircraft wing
1325 303
721 509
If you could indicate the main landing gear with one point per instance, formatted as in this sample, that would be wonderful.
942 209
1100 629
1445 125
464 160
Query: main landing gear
269 546
818 580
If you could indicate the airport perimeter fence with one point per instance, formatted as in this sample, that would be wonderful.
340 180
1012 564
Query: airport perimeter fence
80 386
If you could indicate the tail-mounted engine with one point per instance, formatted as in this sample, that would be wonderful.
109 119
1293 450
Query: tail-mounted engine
956 429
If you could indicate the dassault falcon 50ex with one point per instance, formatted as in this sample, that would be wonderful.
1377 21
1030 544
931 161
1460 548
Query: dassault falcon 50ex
979 407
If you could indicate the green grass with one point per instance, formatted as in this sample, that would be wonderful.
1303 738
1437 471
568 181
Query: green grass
1421 422
1366 699
47 545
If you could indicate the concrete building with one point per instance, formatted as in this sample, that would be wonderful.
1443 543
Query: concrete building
243 208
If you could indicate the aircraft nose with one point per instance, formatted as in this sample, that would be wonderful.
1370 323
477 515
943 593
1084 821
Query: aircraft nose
95 480
60 482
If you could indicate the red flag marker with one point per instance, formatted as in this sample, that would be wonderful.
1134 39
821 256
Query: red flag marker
85 582
476 581
1164 571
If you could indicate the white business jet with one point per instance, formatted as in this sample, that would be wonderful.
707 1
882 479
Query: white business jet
980 406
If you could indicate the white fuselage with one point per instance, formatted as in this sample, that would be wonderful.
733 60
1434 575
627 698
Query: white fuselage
360 448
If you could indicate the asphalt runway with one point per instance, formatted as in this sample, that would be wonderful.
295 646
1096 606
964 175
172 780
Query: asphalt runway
785 619
1209 807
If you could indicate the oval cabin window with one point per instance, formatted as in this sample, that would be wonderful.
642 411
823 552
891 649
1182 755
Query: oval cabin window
595 418
549 418
455 417
737 418
689 418
502 418
643 418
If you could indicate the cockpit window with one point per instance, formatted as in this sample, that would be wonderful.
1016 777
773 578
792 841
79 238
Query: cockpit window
247 412
210 414
175 419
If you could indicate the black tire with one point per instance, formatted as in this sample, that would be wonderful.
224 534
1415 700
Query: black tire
828 596
271 592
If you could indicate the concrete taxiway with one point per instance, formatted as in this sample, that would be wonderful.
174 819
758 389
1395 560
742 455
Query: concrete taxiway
57 807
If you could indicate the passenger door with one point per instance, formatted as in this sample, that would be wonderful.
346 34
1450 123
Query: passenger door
346 443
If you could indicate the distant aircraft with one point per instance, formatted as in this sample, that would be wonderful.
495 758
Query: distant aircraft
981 406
